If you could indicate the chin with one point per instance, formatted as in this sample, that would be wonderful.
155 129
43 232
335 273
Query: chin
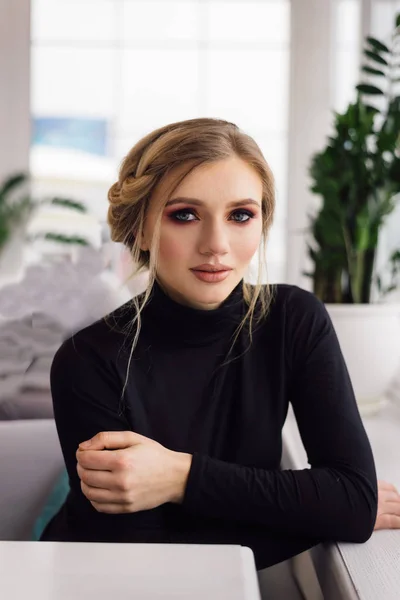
198 294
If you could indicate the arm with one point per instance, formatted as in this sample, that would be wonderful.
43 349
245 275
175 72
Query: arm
85 395
334 500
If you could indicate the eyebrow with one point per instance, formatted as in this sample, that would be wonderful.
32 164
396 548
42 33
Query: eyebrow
197 202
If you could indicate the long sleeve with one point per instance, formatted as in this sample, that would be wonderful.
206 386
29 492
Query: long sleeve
335 499
86 387
85 392
85 396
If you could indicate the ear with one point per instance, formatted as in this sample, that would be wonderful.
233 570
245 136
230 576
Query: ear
143 244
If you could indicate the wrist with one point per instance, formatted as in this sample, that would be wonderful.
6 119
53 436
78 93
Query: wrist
181 467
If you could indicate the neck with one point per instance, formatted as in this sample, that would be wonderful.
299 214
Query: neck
179 323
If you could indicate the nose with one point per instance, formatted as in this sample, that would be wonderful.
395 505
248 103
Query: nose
214 238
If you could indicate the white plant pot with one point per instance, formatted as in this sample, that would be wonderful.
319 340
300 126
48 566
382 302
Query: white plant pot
369 336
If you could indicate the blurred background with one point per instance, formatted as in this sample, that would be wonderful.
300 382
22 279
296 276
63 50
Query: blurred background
82 81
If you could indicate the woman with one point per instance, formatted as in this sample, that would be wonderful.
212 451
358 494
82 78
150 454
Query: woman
187 386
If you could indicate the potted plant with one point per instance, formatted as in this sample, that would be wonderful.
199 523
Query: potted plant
357 175
18 210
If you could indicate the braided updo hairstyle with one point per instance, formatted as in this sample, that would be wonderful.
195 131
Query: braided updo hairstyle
184 144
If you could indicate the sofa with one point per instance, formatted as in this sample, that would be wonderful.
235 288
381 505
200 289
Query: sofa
32 327
30 464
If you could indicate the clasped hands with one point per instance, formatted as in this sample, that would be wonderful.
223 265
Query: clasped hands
125 472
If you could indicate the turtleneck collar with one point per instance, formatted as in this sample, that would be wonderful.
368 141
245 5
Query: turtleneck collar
184 325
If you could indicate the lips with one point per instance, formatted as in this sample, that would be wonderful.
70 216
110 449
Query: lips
211 268
211 276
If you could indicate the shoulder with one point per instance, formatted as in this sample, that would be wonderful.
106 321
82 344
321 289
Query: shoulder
302 312
306 323
100 341
294 298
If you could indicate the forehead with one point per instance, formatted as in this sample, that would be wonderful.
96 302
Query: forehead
230 178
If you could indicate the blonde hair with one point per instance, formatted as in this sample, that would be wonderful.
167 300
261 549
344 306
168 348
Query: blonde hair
185 144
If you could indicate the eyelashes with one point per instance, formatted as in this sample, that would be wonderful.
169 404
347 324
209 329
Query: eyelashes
179 215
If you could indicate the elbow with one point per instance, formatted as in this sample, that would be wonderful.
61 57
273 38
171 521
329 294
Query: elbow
362 532
361 535
362 518
358 531
367 523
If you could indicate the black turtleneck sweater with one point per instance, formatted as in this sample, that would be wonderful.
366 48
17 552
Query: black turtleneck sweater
229 418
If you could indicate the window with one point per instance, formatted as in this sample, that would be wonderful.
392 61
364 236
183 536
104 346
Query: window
116 77
346 52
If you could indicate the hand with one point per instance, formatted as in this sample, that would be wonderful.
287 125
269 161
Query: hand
388 516
124 472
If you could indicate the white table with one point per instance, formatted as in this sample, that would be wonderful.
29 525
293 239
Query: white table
96 571
359 571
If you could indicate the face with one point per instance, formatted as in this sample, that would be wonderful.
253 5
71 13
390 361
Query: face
213 220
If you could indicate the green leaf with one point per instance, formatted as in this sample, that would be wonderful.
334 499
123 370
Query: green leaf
372 109
362 231
377 44
376 57
365 88
11 183
65 239
395 256
398 20
73 204
372 71
384 208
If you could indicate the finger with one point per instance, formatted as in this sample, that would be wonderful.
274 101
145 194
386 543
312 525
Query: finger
387 522
102 496
96 479
389 496
112 440
97 460
384 485
392 508
105 460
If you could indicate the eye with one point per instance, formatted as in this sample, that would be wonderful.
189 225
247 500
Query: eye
182 215
244 216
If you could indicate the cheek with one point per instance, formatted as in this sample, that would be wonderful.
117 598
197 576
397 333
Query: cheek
171 246
248 243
